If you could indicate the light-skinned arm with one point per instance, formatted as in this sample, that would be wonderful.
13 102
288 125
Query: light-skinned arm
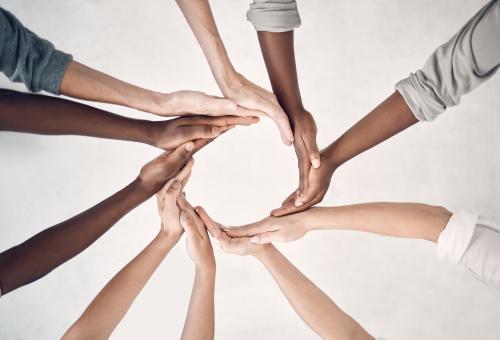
232 84
313 306
22 112
200 319
112 303
408 220
388 119
83 82
42 253
279 56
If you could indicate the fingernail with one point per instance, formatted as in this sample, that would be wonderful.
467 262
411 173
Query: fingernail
176 185
298 203
254 239
189 146
315 163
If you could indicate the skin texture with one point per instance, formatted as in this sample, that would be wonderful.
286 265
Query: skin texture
200 319
21 112
386 120
279 56
408 220
232 84
83 82
112 303
39 255
313 306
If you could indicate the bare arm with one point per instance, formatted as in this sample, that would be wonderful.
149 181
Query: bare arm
408 220
112 303
279 56
317 310
386 120
50 248
200 319
313 306
232 84
23 112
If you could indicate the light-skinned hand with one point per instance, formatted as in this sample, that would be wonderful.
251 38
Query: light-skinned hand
273 229
246 94
166 200
234 245
198 242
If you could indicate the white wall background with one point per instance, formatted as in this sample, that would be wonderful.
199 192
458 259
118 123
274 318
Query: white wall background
350 54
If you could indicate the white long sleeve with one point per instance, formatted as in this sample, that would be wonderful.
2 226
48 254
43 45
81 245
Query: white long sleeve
457 67
274 15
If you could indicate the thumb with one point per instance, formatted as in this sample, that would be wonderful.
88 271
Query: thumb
182 153
186 222
312 149
267 237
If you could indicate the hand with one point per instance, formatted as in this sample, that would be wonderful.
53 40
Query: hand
246 94
157 172
185 102
233 245
304 134
166 200
197 242
319 182
168 135
273 229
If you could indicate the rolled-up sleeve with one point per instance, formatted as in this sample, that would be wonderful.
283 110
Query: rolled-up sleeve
473 241
274 15
457 67
27 58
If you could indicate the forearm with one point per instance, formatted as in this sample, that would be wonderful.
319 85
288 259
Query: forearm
113 301
200 317
279 57
408 220
386 120
200 18
23 112
317 310
52 247
83 82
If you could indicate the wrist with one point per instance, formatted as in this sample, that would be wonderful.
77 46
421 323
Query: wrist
263 251
206 270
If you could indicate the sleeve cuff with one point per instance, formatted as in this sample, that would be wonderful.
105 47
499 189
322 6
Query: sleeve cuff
419 98
54 72
274 17
456 237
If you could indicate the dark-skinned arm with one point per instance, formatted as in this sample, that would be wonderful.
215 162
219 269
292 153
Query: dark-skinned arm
39 255
279 56
23 112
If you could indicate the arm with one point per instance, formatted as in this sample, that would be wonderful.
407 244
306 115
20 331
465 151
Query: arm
317 310
467 60
200 317
112 303
55 116
232 84
408 220
50 248
313 306
278 52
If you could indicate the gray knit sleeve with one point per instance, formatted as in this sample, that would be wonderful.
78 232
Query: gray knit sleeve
27 58
457 67
274 15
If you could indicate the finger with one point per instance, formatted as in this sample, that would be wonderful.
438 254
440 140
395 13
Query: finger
312 149
213 227
250 229
218 121
267 237
187 224
311 192
180 155
291 197
303 163
292 209
188 208
192 132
